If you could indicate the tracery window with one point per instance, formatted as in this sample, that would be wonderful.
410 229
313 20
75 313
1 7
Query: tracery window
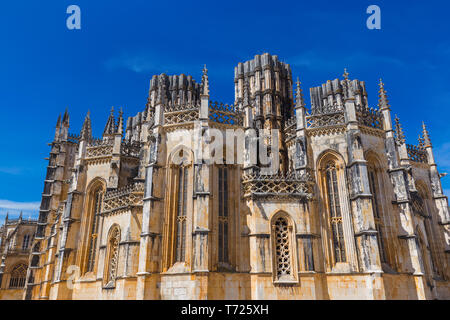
223 215
282 249
180 247
18 276
377 214
419 207
92 249
113 256
12 242
335 214
26 241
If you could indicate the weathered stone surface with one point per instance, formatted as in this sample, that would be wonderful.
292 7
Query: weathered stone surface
342 218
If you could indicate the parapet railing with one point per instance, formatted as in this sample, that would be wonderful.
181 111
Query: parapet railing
288 184
369 117
225 114
123 198
417 153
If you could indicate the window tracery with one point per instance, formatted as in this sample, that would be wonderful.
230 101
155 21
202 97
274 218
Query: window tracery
335 214
18 276
113 256
282 249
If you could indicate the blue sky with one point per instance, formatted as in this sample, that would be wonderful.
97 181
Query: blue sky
44 67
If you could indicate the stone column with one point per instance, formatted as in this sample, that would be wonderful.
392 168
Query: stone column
360 196
150 242
440 200
201 250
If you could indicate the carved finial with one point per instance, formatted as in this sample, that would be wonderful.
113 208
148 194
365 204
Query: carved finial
58 122
399 135
426 136
86 130
300 103
119 128
66 117
346 74
383 102
110 124
205 82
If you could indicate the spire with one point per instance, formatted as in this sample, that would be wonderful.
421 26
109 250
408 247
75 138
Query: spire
58 122
6 218
383 102
66 117
300 102
119 128
110 124
426 136
399 135
58 128
86 130
205 82
346 74
20 216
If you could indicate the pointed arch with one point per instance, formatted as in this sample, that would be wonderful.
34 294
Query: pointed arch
283 248
421 205
336 217
178 202
91 219
18 276
181 155
377 188
425 254
112 256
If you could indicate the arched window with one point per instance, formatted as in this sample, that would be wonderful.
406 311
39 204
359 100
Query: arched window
94 216
178 201
282 248
18 275
26 242
180 246
334 212
378 211
223 215
112 256
419 206
12 242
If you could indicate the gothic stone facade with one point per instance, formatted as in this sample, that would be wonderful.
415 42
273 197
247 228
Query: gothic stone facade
352 213
16 237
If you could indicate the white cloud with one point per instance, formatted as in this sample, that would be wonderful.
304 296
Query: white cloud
13 209
11 170
25 206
